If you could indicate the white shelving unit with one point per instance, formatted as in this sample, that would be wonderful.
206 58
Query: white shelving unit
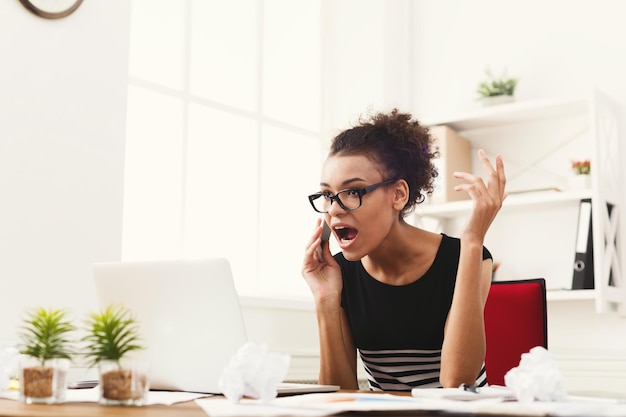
536 226
515 201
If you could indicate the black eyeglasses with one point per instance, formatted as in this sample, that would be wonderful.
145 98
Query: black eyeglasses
348 199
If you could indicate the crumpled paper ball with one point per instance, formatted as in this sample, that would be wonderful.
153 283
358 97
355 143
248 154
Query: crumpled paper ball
537 378
8 366
254 372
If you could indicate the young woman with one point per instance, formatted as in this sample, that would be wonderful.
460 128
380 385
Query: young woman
409 301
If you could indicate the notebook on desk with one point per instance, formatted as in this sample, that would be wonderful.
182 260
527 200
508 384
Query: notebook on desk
190 319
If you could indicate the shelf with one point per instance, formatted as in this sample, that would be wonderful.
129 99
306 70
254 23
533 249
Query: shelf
570 295
538 134
518 200
510 113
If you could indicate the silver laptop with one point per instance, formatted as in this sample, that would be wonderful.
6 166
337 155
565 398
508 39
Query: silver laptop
190 319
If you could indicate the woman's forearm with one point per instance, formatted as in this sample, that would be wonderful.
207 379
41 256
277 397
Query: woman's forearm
337 351
463 350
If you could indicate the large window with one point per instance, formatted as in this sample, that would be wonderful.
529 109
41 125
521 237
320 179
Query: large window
223 135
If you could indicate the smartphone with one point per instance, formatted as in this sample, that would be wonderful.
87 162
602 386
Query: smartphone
325 237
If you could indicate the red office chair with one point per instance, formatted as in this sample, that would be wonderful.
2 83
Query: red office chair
515 322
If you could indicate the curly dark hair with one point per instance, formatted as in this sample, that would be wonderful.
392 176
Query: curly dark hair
401 146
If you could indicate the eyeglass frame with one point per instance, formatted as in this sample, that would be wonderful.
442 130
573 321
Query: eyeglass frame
360 191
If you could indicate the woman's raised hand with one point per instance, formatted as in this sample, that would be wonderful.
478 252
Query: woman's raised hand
487 195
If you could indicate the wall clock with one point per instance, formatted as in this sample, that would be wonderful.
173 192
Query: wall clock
51 9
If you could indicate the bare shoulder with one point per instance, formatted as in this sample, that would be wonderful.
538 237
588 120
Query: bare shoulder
425 238
424 245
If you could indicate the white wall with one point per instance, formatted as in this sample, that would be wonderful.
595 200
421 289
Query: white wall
555 47
62 122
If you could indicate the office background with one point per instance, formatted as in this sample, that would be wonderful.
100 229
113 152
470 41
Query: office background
63 128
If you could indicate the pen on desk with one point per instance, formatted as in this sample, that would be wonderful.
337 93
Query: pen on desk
369 398
342 399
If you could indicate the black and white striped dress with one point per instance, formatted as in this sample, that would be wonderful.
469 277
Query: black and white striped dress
398 330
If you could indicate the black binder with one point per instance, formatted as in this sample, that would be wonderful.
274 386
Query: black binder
583 260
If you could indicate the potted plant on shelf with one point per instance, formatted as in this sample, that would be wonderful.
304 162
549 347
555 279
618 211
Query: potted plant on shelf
46 352
582 167
497 90
582 173
112 334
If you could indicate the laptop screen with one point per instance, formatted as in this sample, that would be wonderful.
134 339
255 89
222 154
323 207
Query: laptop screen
189 317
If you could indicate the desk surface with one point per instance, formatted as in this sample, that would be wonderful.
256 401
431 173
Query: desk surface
10 408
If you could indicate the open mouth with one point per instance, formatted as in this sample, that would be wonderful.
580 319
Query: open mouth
345 234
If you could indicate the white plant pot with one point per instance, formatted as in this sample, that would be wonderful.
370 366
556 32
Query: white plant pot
494 100
580 182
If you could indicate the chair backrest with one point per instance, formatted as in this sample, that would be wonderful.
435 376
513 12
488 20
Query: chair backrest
515 322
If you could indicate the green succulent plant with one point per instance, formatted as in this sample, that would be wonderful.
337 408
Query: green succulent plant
497 86
111 334
45 334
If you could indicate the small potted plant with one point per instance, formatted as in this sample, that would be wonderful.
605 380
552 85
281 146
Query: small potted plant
582 173
112 334
496 90
582 167
46 352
